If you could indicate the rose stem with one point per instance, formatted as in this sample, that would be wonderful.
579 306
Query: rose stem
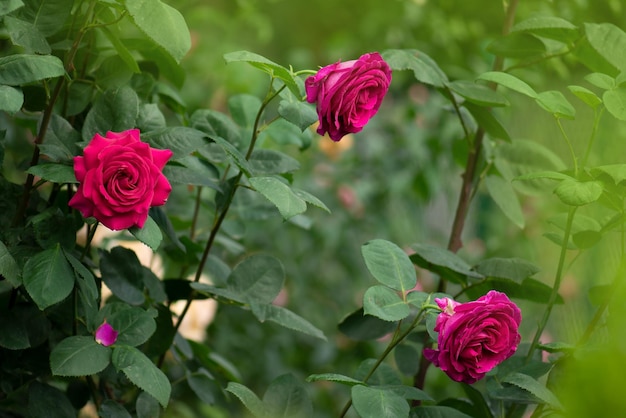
455 243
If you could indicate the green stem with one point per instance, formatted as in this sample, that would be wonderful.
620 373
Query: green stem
569 144
594 131
555 288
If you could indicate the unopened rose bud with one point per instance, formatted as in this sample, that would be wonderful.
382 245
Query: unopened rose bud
106 335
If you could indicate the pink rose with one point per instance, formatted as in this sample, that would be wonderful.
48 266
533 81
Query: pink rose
120 179
106 335
474 337
348 94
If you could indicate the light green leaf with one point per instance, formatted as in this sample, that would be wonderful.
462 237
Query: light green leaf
299 113
285 318
79 356
587 96
280 194
389 264
617 172
551 27
517 45
552 175
601 80
334 377
310 199
48 277
615 102
503 194
140 370
9 268
509 81
286 397
385 303
26 35
55 173
534 387
578 193
11 99
249 399
49 16
163 24
20 69
608 40
443 262
370 402
237 157
267 66
150 234
425 68
146 406
8 6
554 102
477 93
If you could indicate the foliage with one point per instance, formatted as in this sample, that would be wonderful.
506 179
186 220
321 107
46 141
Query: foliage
245 181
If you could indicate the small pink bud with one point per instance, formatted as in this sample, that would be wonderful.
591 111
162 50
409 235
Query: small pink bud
106 335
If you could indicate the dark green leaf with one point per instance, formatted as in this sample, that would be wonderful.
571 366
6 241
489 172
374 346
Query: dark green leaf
243 109
362 327
134 325
528 289
266 162
215 123
333 377
48 277
112 409
49 16
285 318
286 397
181 140
372 402
425 68
442 262
437 411
299 113
79 356
120 48
477 93
60 141
515 269
55 173
249 399
389 264
162 24
122 273
533 386
13 331
407 392
140 370
150 118
237 157
150 234
11 99
115 110
87 291
147 406
487 119
257 278
203 385
20 69
280 194
385 303
191 171
9 268
285 133
309 198
407 358
9 5
45 401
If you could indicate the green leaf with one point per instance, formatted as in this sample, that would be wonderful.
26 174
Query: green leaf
45 401
299 113
442 262
237 157
608 41
181 140
112 409
615 102
501 191
529 289
60 140
280 194
417 298
334 377
550 27
408 392
437 411
18 69
587 96
147 406
267 162
79 356
285 318
203 385
192 170
361 327
509 81
370 402
310 199
163 24
515 269
150 234
578 193
49 16
257 278
9 5
385 303
282 132
55 173
214 124
384 374
134 325
286 397
389 264
601 80
617 172
552 175
267 66
554 102
425 69
477 93
249 399
486 118
533 386
87 291
122 273
48 277
517 45
140 370
9 268
14 331
244 109
115 110
120 48
11 99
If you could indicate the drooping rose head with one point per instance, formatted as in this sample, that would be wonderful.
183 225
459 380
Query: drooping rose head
106 335
474 337
348 94
120 179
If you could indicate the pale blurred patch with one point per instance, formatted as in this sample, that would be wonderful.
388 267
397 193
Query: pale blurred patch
333 150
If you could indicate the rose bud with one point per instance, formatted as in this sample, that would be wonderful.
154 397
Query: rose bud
106 335
120 179
475 337
348 94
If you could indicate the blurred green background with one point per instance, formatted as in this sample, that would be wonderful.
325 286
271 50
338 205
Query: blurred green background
398 179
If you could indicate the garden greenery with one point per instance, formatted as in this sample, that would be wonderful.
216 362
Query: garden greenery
94 134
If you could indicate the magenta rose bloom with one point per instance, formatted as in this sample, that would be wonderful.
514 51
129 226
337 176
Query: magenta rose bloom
348 94
106 335
120 179
474 337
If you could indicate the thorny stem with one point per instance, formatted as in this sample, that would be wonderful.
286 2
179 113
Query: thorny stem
455 243
271 94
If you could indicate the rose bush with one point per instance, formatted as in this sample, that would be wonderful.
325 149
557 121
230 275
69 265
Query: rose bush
474 337
120 179
348 93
